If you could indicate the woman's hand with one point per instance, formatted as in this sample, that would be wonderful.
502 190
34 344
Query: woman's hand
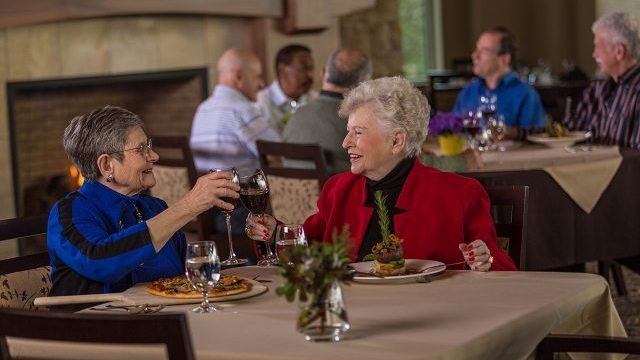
477 255
210 191
260 228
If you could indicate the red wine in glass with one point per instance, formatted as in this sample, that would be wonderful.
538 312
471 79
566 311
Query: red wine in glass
255 200
231 201
472 130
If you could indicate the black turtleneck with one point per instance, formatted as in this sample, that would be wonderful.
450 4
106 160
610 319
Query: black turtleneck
390 185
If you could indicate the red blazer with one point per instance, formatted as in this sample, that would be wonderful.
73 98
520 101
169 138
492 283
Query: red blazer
443 210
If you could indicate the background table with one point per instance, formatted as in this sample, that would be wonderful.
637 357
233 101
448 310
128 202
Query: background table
560 233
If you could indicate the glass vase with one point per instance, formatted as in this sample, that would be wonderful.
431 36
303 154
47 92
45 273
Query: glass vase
324 317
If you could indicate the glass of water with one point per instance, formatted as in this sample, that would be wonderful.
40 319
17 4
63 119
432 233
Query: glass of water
288 236
203 271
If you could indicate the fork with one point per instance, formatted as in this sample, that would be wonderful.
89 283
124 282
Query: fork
132 309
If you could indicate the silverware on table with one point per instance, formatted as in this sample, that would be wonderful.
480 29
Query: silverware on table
132 309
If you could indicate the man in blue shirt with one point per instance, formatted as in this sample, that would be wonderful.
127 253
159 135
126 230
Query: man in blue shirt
518 102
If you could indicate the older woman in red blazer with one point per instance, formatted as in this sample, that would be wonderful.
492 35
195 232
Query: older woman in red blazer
441 216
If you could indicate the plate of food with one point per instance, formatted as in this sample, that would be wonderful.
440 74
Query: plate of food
413 270
557 137
178 290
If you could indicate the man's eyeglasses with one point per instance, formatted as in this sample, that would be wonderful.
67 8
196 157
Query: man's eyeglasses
143 149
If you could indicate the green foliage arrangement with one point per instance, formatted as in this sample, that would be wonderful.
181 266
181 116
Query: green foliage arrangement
310 271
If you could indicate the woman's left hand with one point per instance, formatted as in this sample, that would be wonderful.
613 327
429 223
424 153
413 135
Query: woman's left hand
477 255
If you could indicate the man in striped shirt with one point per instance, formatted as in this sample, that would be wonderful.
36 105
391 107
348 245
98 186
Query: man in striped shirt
610 108
227 124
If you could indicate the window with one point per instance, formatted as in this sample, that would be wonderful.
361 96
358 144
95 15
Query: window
421 37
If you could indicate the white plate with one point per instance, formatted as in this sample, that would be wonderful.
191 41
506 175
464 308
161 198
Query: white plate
545 139
436 267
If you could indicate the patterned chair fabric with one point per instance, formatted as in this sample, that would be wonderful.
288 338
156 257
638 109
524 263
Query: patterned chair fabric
293 200
19 289
171 183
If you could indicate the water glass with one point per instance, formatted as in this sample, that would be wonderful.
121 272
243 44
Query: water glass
202 267
288 236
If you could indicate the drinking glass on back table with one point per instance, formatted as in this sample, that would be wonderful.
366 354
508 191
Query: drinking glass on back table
254 194
202 267
289 236
232 260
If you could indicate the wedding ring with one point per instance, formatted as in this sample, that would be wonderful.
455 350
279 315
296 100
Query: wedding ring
490 259
248 230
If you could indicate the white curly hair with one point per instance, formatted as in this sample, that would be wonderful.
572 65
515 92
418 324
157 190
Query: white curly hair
401 106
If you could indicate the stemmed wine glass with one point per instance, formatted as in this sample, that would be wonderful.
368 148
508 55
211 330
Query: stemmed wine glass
203 271
288 237
232 260
254 194
497 129
474 127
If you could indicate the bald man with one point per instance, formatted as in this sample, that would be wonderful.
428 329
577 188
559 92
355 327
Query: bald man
227 124
318 121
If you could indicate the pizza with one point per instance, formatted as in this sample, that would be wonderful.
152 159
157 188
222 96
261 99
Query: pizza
179 287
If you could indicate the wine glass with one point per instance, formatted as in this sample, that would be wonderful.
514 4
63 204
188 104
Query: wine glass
203 271
254 194
288 236
497 129
474 127
232 260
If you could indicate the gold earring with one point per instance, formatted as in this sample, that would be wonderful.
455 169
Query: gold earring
110 178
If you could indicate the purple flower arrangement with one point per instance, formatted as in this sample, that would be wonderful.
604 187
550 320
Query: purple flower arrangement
445 124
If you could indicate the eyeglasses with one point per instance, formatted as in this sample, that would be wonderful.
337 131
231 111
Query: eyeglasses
143 149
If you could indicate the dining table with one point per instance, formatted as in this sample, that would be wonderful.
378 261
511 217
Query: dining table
454 315
582 200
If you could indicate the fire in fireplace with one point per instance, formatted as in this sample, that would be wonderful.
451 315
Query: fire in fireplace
40 110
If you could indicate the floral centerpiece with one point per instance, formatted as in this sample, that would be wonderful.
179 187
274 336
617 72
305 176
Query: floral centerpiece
314 274
448 127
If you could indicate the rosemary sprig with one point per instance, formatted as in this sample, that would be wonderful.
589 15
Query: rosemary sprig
383 216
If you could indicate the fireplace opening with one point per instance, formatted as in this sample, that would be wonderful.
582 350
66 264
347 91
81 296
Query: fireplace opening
40 110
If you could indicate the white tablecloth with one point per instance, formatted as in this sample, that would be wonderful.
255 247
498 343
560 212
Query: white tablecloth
459 315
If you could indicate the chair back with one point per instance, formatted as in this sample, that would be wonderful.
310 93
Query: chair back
176 174
552 344
168 329
24 278
509 205
294 191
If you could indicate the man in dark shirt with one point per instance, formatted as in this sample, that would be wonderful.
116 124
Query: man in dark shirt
610 108
318 122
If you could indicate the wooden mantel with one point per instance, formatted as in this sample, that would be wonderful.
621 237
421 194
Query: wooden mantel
29 12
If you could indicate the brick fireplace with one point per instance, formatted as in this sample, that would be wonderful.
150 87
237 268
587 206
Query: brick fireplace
40 110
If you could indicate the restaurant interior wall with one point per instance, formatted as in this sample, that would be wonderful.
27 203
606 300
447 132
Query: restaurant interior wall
551 30
376 32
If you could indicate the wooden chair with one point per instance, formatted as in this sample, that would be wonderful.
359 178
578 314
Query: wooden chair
24 278
168 329
175 175
582 343
294 191
509 204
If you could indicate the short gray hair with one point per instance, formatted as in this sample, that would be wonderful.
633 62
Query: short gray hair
348 67
623 28
400 104
101 131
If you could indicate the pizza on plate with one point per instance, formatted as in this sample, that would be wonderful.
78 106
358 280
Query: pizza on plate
178 287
